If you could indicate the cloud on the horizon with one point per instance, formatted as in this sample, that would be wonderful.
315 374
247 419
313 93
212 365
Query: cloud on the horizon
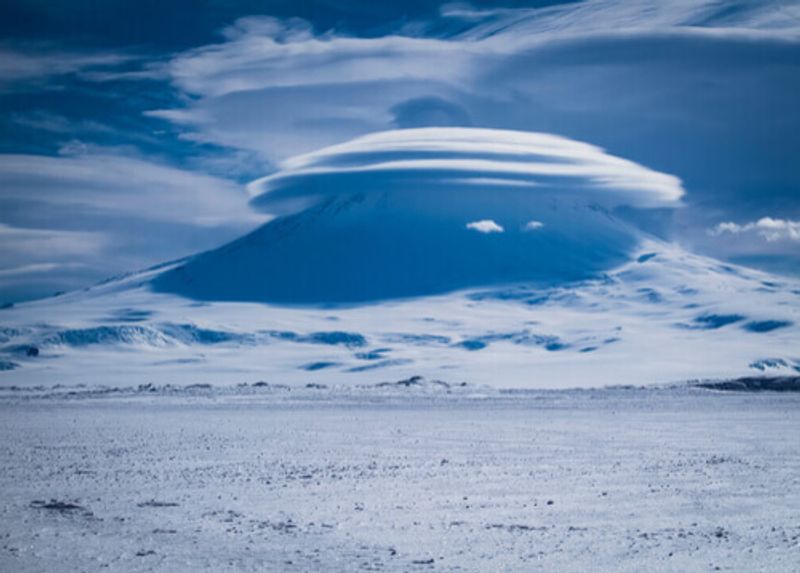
485 226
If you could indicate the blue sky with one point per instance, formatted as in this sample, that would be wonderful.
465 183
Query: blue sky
130 129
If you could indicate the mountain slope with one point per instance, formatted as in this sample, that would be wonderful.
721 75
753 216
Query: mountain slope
369 247
664 316
471 256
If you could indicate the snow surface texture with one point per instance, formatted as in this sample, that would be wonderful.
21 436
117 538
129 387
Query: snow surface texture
485 256
601 480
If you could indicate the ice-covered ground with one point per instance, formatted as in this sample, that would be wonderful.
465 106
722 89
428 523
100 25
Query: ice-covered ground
398 478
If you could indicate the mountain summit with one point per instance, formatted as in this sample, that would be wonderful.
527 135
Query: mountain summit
425 211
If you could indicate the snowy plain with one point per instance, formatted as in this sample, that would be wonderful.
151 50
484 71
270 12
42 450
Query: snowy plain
399 478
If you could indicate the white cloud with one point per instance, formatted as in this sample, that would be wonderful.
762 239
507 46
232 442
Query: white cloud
444 159
767 228
533 225
277 88
485 226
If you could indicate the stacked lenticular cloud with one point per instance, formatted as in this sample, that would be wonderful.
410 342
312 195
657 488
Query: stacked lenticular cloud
450 159
424 211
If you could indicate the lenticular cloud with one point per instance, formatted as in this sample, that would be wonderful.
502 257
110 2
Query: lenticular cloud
424 211
454 159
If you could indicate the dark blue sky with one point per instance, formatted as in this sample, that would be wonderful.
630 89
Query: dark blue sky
129 129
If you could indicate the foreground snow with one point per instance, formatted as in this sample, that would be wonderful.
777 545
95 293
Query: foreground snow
400 478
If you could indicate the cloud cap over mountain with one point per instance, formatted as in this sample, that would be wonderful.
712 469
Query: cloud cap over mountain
450 160
423 211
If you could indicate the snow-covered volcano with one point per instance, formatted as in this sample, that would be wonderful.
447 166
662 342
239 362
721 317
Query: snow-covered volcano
483 256
426 211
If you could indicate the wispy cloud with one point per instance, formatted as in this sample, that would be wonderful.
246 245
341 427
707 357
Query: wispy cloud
101 212
26 66
276 87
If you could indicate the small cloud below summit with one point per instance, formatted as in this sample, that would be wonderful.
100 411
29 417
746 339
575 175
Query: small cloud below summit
485 226
533 226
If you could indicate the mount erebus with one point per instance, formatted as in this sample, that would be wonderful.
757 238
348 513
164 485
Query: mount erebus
485 256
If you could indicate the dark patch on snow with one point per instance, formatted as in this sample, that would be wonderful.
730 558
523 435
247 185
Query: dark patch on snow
514 293
191 387
6 334
381 364
765 363
713 321
686 291
314 366
523 338
516 527
766 325
156 503
413 381
335 338
282 334
755 384
376 354
417 382
645 257
63 507
588 349
192 334
651 294
421 339
330 337
6 365
472 344
130 315
80 337
196 360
